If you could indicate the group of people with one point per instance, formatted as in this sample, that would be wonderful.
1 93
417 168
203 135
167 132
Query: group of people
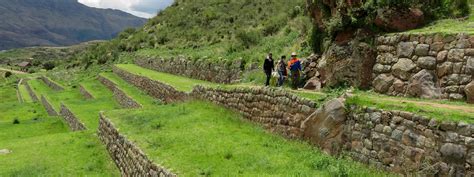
282 68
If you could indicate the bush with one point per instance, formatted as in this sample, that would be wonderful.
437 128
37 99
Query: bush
49 65
16 121
8 74
249 37
317 39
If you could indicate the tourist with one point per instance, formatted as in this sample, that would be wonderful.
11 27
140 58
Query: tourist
295 68
282 72
268 67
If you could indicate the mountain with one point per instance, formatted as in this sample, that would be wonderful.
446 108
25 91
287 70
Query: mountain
25 23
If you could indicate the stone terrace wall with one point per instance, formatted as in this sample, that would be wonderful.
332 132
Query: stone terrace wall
71 119
222 72
128 157
277 111
85 93
49 108
123 99
410 144
153 88
428 66
51 84
32 94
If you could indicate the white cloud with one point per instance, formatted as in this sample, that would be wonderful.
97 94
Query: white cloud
142 8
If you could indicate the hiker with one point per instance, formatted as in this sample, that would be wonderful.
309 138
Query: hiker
268 67
294 66
282 72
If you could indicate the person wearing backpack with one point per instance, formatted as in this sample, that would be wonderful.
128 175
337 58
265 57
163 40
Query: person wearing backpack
294 66
268 67
282 72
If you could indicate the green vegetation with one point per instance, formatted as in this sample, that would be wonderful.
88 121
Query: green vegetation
180 83
24 94
200 139
137 94
439 110
449 26
43 146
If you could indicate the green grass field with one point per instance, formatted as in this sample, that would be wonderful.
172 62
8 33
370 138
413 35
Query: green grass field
449 26
201 139
41 145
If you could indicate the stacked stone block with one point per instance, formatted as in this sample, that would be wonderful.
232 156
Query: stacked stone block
85 93
406 143
220 71
51 84
428 66
71 119
49 108
122 98
31 92
128 157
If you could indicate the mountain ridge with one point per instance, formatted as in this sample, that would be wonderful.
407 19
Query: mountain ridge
27 23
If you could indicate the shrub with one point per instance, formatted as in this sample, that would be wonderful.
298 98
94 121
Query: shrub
49 65
8 74
16 121
317 39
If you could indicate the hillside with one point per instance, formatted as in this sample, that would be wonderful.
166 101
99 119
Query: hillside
27 23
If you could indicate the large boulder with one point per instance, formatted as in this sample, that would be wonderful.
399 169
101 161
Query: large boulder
382 83
423 85
427 62
324 127
313 84
396 19
469 90
405 49
402 69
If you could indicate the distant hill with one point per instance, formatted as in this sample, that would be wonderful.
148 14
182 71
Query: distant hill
25 23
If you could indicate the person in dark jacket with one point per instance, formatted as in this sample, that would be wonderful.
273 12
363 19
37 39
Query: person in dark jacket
282 72
268 67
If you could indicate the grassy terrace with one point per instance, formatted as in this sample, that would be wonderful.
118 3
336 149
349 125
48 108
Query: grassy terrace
449 26
24 93
134 92
440 110
201 139
178 82
43 146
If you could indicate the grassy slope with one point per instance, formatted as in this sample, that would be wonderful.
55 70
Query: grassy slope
138 95
198 138
178 82
449 26
24 94
42 145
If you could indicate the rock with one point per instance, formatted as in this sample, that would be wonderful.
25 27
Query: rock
456 96
442 56
386 59
382 83
422 49
456 55
427 62
453 153
313 84
403 68
469 90
379 68
437 46
445 69
405 49
470 66
393 19
422 85
5 151
398 86
330 117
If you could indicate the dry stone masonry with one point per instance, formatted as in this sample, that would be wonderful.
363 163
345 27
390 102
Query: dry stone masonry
128 157
49 108
427 66
410 144
122 98
55 86
32 94
71 119
153 88
276 110
219 72
85 93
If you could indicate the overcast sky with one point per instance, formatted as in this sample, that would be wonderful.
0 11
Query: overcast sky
141 8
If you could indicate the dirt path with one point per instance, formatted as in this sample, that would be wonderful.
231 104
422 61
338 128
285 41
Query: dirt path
13 71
